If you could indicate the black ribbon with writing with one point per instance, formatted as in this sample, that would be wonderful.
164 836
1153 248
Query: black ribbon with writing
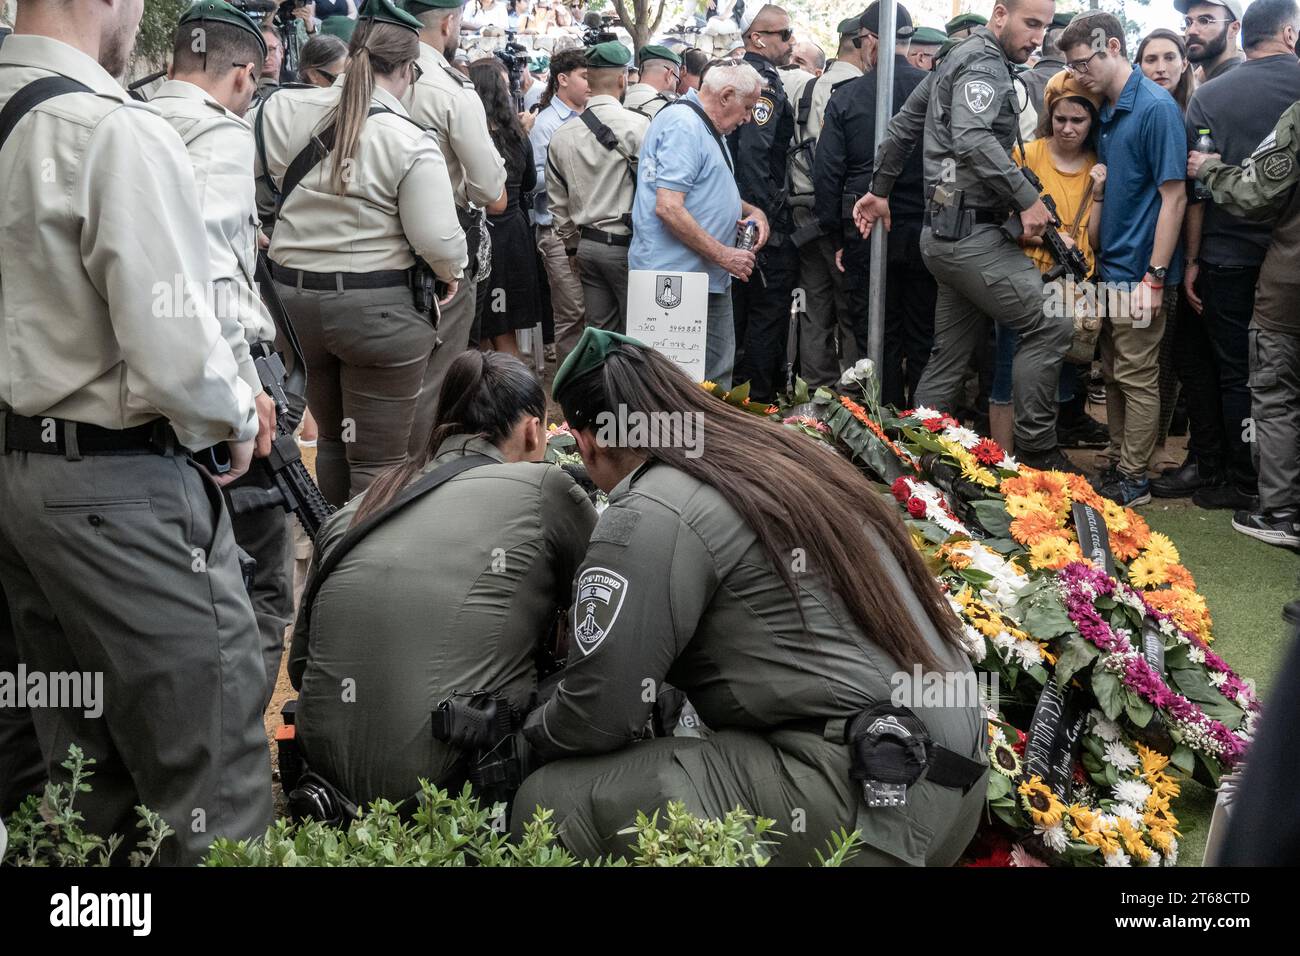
1052 744
1094 541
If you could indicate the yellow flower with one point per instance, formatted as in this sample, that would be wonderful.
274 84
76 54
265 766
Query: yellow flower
1043 806
1104 839
1132 838
1083 818
1153 761
1163 840
1148 571
1051 552
1159 546
1116 519
971 471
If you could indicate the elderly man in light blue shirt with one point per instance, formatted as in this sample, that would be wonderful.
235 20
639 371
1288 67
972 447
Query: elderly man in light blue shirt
687 205
568 88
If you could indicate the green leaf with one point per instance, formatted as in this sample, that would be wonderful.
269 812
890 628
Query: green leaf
924 439
1043 615
738 394
975 577
993 518
1038 672
1077 655
1109 691
1138 710
929 530
1195 686
1002 545
999 786
1183 758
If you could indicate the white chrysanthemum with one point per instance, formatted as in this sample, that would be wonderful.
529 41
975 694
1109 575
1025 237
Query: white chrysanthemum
1105 729
1218 678
1124 811
1153 859
1118 858
1005 643
962 436
924 413
975 645
1132 791
1171 858
1054 837
1009 464
1119 756
999 736
1195 654
1028 653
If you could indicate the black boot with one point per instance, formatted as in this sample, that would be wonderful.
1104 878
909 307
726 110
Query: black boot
1051 460
1188 478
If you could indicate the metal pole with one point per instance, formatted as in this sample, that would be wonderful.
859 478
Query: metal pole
884 110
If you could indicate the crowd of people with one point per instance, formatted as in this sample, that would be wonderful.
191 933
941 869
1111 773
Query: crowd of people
413 211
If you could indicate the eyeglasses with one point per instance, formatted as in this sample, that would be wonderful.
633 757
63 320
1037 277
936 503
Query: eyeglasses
785 34
857 40
1081 66
1204 20
417 71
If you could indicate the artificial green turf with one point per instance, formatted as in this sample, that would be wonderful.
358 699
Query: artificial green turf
1245 584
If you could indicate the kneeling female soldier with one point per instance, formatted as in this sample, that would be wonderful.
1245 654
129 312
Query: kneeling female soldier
764 577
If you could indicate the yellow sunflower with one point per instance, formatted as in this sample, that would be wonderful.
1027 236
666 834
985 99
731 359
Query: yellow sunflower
1133 842
1043 806
1083 819
1153 761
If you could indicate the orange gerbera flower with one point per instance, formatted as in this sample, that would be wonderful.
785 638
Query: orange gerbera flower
1180 577
1082 491
1016 486
1029 529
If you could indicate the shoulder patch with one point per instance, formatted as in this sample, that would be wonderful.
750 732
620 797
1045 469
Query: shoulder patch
1276 166
595 609
763 110
978 94
615 526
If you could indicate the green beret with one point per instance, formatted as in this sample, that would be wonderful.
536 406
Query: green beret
656 52
849 27
1062 18
929 36
341 27
590 353
218 11
964 20
419 6
383 11
608 55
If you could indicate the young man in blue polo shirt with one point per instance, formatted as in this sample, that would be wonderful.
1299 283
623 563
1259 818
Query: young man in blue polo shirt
687 204
1144 150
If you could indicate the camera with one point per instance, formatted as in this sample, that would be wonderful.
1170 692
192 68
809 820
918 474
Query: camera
597 28
515 59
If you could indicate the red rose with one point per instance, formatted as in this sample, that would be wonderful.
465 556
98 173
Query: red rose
900 489
916 507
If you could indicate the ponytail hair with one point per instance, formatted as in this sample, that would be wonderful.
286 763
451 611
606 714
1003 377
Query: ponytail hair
485 394
377 49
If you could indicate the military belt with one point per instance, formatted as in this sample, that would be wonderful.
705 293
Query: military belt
979 217
340 281
600 235
56 436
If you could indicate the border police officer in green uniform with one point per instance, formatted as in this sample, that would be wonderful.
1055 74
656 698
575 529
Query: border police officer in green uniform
973 187
443 100
116 554
590 182
660 70
780 603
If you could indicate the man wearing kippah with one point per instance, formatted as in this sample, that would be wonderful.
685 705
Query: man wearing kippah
661 68
591 181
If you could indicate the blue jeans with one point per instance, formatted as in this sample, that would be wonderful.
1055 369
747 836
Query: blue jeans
1008 340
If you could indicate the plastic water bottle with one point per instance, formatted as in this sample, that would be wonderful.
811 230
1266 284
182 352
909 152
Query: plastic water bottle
746 234
1204 144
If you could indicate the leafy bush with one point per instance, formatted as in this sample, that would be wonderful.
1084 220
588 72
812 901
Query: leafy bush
49 831
442 831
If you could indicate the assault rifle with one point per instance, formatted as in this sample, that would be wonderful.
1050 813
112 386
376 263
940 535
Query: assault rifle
285 481
1068 258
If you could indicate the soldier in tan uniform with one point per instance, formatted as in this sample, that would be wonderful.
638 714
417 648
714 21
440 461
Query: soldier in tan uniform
443 100
349 232
116 554
661 69
207 94
591 179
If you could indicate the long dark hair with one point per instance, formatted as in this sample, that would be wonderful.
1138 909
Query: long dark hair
484 394
1187 82
490 80
1044 130
791 492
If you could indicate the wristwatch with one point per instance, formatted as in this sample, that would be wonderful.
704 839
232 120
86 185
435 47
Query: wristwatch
1157 272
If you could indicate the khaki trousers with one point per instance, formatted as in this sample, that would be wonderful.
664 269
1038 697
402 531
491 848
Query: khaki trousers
1130 364
567 304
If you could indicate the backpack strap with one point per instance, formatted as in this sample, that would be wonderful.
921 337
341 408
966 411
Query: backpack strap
33 95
